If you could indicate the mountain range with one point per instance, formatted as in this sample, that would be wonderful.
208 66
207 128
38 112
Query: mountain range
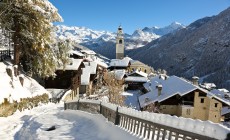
95 39
201 49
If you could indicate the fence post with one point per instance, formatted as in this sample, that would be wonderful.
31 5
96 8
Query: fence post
64 105
78 103
117 117
100 108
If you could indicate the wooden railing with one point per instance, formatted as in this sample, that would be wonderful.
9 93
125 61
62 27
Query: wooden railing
143 128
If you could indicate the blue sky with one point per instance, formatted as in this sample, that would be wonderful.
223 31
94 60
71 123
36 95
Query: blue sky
134 14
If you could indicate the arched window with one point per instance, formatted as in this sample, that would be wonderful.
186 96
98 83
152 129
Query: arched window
120 41
145 70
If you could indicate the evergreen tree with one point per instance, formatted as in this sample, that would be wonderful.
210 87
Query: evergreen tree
63 48
33 38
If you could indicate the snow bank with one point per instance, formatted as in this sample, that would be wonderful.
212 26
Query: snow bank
206 128
12 89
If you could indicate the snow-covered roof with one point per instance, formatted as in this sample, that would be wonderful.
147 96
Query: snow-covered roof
98 60
171 86
224 90
225 110
92 65
136 79
119 74
73 65
90 52
90 68
85 77
208 85
219 96
143 74
120 62
101 62
218 93
78 53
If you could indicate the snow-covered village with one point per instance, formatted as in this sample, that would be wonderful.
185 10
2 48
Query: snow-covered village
65 82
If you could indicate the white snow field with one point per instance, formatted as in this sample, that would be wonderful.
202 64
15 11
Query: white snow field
69 124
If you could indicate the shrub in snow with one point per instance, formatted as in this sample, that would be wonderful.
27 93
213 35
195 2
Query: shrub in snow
7 109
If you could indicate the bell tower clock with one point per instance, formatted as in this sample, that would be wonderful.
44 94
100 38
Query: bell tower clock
120 44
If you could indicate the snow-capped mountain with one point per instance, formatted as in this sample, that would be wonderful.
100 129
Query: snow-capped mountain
201 49
93 39
83 34
162 31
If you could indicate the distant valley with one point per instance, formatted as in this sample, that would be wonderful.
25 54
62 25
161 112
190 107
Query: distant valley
202 48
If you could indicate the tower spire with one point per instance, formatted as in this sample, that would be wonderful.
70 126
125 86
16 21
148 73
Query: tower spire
120 43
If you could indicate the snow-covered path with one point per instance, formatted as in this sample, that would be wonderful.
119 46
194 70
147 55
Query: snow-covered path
70 124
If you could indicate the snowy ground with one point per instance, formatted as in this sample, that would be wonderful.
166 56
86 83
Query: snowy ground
70 124
11 88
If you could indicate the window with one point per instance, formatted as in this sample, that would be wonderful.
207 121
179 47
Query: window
202 100
120 41
145 70
216 104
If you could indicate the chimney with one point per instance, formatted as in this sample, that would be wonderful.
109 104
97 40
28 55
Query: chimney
159 87
195 80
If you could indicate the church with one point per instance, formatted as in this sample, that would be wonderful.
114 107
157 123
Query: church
121 61
120 44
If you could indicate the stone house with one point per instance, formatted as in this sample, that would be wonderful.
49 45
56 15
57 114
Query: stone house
176 96
137 65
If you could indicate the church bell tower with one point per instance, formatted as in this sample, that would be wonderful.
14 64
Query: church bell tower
120 46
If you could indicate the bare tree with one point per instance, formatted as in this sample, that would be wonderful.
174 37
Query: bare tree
115 88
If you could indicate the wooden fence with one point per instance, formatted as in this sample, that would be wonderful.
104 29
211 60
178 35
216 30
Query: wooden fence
136 126
5 54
